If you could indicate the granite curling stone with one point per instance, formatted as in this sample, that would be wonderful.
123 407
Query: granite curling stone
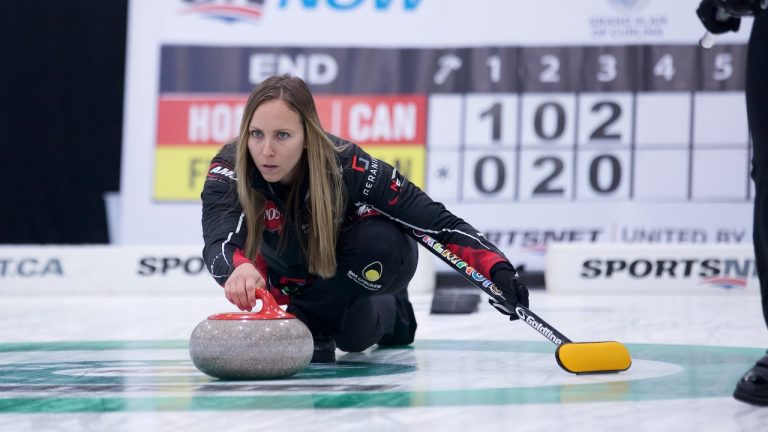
270 343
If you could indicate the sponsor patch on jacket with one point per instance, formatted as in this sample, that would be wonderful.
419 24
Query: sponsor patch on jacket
395 184
373 271
370 169
273 217
219 171
361 280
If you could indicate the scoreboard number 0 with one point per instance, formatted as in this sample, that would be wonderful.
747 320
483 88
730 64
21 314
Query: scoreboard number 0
480 174
549 109
614 173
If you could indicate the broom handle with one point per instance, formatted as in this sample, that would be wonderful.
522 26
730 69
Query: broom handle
487 285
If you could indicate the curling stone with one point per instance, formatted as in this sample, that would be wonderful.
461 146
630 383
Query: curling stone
270 343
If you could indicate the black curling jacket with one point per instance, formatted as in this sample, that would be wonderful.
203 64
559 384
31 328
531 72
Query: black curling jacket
373 187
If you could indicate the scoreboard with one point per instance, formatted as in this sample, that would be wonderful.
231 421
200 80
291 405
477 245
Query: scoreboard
494 124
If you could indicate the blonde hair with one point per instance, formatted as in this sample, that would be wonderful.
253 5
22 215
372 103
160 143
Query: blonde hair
319 162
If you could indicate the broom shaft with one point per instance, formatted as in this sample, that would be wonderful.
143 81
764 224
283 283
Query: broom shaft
486 284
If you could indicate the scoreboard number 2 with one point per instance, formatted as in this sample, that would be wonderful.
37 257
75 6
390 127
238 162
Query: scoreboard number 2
614 112
551 72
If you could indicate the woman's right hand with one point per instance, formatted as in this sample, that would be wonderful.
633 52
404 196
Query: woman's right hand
240 288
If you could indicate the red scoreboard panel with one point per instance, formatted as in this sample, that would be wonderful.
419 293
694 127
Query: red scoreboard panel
192 127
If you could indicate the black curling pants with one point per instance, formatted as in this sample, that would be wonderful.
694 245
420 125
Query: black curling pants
757 114
366 302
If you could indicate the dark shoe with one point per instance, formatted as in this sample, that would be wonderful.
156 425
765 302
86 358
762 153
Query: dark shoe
325 350
752 388
404 328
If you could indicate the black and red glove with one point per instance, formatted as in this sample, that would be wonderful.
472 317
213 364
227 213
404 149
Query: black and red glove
513 289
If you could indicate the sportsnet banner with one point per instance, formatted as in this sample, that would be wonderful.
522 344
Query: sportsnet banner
606 130
668 269
122 270
104 270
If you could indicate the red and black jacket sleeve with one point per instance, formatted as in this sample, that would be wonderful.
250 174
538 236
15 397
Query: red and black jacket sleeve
376 184
223 220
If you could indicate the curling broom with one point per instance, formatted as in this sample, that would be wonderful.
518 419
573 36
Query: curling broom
574 357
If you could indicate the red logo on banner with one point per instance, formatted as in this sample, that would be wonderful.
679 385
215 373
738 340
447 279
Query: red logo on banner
228 11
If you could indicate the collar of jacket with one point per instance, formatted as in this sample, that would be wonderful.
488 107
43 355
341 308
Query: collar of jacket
268 189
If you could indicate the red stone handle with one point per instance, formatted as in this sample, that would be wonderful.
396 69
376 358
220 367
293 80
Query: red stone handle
269 310
269 307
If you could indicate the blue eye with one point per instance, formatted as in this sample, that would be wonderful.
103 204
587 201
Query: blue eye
256 133
283 135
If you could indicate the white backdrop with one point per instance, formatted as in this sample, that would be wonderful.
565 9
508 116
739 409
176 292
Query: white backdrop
537 121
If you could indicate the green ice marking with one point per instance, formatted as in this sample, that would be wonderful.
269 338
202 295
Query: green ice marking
275 402
453 345
50 373
94 345
485 345
707 372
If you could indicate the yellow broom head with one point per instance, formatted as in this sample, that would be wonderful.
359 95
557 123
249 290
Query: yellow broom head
593 357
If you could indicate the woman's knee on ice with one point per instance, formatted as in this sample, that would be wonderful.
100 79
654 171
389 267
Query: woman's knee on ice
366 322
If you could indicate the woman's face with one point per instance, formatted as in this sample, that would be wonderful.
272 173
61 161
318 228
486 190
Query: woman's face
276 141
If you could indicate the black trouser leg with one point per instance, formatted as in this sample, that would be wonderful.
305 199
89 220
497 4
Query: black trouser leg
367 299
757 114
760 231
